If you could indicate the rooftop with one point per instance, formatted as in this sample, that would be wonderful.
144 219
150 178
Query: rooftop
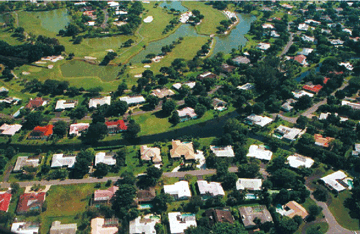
337 181
146 195
133 100
61 160
179 221
5 198
98 226
105 195
249 213
322 141
150 154
161 93
247 86
249 184
301 93
313 88
180 190
94 102
290 134
219 216
35 103
144 225
63 104
58 228
259 152
210 188
30 201
10 130
259 120
106 158
25 227
222 151
180 149
78 128
298 160
23 161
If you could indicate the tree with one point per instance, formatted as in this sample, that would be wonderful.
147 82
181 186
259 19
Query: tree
200 110
287 225
81 168
168 106
117 108
321 194
302 121
33 119
127 178
160 203
152 101
133 129
121 88
154 172
123 199
14 187
174 119
10 152
258 108
303 103
78 113
285 178
95 132
229 181
101 170
249 170
314 211
60 128
191 101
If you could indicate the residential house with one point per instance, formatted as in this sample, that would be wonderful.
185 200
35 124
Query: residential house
144 224
326 115
219 105
274 34
210 189
133 100
182 149
287 6
146 195
249 184
267 26
313 88
347 30
299 94
219 216
10 129
290 134
312 22
223 151
95 102
322 141
226 68
65 104
301 59
291 209
104 226
338 181
25 227
263 46
355 106
61 160
36 103
287 106
41 132
150 154
356 151
187 113
259 152
58 228
3 90
258 120
326 31
207 75
247 86
297 160
104 196
241 60
78 128
161 93
116 126
189 84
180 221
303 27
90 23
30 202
53 59
306 51
113 4
336 42
347 65
249 213
10 100
121 12
23 161
107 158
5 198
308 39
180 190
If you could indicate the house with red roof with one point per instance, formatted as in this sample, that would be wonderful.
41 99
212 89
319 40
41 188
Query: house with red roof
41 132
36 103
104 196
30 202
301 59
5 198
326 79
116 126
313 88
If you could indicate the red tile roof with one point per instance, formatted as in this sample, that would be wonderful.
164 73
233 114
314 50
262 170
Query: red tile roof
326 79
35 103
337 73
313 88
5 201
44 131
299 58
105 195
30 201
120 124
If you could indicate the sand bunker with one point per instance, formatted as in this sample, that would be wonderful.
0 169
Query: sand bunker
148 19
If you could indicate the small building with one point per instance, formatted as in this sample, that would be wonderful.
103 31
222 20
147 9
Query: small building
306 51
3 90
161 93
207 75
78 128
210 189
336 42
250 213
301 59
347 65
219 216
241 60
58 228
258 120
36 103
61 160
312 22
303 27
290 134
259 152
116 126
104 196
287 106
356 151
10 129
298 160
249 184
182 149
355 106
150 154
322 141
23 161
106 158
180 190
247 86
292 209
226 68
133 100
219 104
188 84
263 46
104 226
338 181
313 88
223 151
146 195
299 94
5 198
187 113
25 227
64 104
179 222
326 31
267 26
144 224
30 202
308 39
41 132
90 23
274 34
95 102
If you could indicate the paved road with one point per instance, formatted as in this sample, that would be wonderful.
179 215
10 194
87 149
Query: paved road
286 48
106 17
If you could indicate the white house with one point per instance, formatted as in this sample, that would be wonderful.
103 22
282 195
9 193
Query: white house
63 104
188 84
303 27
259 152
247 86
347 30
78 128
10 130
298 160
144 224
356 152
133 100
301 93
113 4
312 22
108 159
336 42
268 26
308 39
290 134
212 189
338 181
263 46
249 184
94 102
306 51
90 23
353 105
259 120
222 151
25 227
61 160
274 34
179 190
347 65
179 222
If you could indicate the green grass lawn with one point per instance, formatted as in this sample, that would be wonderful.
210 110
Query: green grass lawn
341 213
321 227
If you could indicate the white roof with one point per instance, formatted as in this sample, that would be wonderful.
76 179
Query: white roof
274 34
306 51
101 157
311 21
185 17
331 180
144 225
259 120
246 86
113 4
250 184
94 102
347 65
98 227
75 128
301 93
189 84
181 189
59 160
3 89
259 152
212 188
267 25
10 130
351 104
303 27
121 12
179 222
298 160
307 38
133 100
63 104
336 42
289 133
91 23
18 228
222 151
263 46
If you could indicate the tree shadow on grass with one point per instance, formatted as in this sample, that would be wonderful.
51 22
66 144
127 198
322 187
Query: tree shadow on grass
160 114
349 203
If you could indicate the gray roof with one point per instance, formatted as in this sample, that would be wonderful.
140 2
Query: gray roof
249 213
25 161
58 228
241 60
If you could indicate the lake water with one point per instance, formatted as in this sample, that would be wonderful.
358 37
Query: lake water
54 20
174 4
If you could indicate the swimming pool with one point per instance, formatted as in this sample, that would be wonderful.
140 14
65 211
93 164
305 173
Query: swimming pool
145 206
250 196
350 183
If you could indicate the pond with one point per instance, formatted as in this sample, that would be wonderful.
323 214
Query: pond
174 4
304 74
55 20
